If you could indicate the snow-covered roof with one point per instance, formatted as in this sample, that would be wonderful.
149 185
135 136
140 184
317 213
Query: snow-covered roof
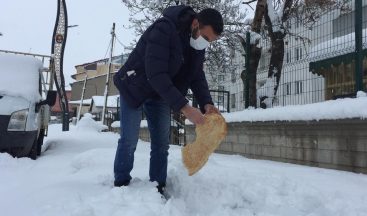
85 102
112 101
98 101
336 47
19 76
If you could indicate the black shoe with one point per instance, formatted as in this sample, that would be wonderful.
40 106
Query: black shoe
161 188
121 183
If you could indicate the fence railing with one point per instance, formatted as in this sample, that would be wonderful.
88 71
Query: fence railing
325 61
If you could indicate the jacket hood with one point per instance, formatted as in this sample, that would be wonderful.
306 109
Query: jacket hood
174 12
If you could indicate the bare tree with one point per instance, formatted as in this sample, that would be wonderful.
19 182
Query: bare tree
255 51
218 57
277 14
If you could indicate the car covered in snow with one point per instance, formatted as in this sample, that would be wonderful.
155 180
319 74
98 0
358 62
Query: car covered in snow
25 102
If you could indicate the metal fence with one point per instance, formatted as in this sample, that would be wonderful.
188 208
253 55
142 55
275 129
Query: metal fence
323 61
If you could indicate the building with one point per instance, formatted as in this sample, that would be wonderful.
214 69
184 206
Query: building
95 72
307 76
56 109
93 75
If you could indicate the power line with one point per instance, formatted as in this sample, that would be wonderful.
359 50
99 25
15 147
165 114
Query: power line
118 40
108 48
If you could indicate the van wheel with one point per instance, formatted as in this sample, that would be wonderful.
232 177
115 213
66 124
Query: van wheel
40 141
33 153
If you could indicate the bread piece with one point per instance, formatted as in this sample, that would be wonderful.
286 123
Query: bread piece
208 137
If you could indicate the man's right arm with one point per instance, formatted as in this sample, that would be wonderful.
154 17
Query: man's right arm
193 114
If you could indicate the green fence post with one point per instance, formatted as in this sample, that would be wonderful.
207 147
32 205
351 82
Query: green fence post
358 47
247 65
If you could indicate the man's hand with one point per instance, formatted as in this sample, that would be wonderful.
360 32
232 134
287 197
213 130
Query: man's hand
209 108
193 114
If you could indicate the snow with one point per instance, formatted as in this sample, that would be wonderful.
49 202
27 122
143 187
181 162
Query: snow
143 124
275 16
268 88
20 76
85 102
346 108
361 94
336 47
255 38
329 110
115 124
87 123
74 176
112 101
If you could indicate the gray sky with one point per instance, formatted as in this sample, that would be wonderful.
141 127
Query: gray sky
27 26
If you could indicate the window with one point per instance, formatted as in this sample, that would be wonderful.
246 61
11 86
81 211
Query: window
289 24
233 100
289 57
262 62
287 89
344 24
240 98
299 87
233 76
298 22
220 78
298 53
221 88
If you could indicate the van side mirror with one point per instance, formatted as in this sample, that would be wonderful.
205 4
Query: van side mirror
50 99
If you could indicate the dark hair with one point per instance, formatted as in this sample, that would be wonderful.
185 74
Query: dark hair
212 17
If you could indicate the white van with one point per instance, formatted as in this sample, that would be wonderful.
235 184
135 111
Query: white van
24 105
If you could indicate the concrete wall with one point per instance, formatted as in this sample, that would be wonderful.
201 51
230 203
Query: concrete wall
144 135
339 144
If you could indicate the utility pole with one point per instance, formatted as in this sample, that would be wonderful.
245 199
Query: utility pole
107 88
82 97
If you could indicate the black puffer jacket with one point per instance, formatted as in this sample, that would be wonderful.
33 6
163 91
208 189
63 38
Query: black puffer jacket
164 65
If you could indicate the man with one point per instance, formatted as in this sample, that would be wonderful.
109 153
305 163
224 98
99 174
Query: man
166 62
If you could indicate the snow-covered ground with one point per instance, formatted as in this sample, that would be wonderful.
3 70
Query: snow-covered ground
74 176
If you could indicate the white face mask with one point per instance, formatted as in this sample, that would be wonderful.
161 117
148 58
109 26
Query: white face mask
199 44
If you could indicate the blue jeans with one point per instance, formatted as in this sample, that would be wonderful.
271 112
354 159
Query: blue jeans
158 117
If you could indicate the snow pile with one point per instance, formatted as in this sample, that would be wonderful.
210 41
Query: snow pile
87 123
361 94
329 110
346 108
19 76
143 124
75 177
267 90
112 101
115 124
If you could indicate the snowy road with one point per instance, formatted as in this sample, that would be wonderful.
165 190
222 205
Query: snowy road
75 177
